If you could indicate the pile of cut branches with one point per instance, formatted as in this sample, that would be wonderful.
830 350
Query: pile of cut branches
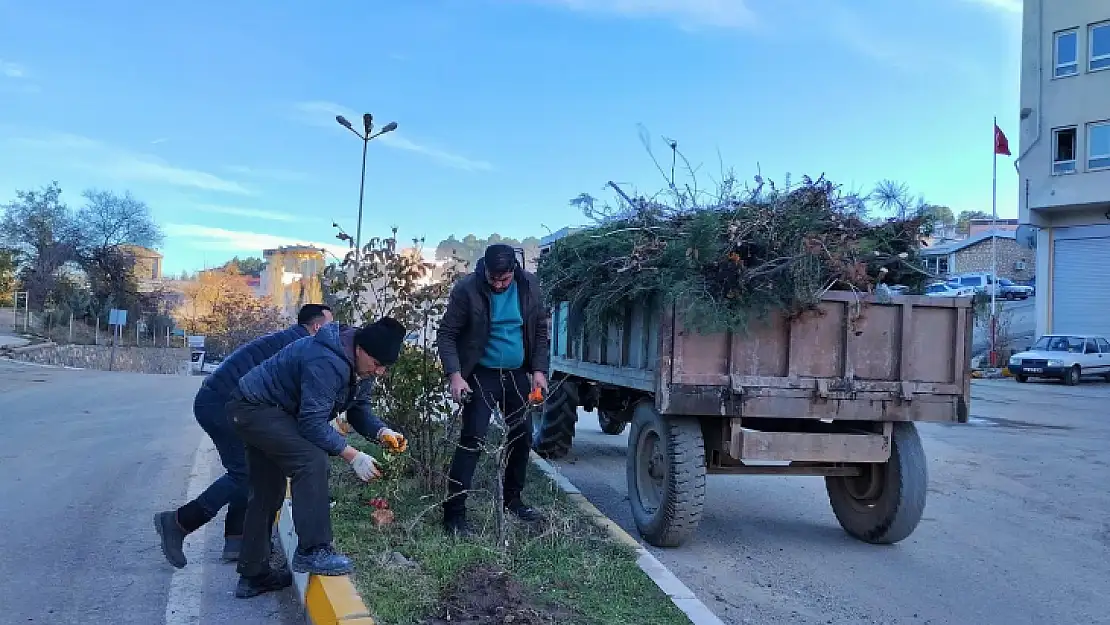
744 255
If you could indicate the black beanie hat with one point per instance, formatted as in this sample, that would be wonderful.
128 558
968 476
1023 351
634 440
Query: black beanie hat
382 339
500 258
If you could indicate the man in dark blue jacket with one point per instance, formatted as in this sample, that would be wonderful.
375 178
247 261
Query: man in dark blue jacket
282 411
231 488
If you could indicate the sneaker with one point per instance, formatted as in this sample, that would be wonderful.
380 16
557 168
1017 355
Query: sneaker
173 538
321 561
232 546
523 512
269 581
457 526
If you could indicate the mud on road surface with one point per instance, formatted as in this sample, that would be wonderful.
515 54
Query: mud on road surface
1016 528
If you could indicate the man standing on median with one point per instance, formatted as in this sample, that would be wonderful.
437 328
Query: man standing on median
494 333
282 411
208 408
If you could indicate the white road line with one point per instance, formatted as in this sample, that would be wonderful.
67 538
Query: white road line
187 584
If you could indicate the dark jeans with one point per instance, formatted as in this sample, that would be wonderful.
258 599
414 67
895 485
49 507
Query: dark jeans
231 488
275 451
509 390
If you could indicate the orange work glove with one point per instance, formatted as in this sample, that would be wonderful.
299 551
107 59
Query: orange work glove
392 440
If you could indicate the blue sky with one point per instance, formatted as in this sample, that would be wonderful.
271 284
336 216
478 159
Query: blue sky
220 115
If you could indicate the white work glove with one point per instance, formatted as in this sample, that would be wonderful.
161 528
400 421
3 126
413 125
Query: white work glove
365 467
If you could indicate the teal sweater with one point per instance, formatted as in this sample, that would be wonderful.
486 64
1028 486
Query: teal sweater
505 348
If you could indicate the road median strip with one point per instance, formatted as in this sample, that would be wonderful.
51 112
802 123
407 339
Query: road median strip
682 597
579 569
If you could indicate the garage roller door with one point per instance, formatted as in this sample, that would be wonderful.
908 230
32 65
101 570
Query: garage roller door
1081 286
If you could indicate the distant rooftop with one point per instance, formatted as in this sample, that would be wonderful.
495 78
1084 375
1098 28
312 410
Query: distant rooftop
955 246
306 249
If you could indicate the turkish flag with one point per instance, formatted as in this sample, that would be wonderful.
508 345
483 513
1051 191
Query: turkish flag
1001 143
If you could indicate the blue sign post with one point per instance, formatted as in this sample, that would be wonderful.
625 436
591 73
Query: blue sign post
117 319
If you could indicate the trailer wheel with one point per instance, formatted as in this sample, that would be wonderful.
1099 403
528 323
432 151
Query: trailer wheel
553 428
611 422
884 504
666 475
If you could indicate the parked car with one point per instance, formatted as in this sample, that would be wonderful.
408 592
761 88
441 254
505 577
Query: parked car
981 282
1066 357
1009 290
948 289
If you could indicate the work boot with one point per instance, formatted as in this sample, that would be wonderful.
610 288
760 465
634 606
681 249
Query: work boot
259 584
173 538
323 560
523 512
232 546
455 524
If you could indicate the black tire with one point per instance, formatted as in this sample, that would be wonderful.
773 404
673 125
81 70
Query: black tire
553 427
885 504
611 422
1073 376
665 468
1021 379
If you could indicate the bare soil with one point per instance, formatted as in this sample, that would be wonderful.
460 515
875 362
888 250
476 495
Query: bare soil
489 596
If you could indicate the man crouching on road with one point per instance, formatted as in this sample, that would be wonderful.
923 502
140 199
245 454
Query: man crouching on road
282 411
209 409
494 333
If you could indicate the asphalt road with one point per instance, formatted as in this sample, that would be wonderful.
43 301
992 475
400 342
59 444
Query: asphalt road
1016 528
86 458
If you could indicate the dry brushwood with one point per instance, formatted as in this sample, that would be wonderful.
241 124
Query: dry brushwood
742 256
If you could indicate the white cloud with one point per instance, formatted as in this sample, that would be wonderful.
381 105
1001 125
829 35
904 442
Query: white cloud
12 70
121 164
322 113
219 239
238 211
286 175
447 158
1008 6
717 13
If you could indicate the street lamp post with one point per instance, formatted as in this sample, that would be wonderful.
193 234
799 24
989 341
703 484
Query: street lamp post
367 136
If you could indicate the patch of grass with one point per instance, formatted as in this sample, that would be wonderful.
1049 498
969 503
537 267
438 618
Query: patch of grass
571 565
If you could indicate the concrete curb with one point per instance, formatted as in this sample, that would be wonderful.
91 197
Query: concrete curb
327 600
679 594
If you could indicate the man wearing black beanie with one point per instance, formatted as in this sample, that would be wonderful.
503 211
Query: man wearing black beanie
282 410
493 336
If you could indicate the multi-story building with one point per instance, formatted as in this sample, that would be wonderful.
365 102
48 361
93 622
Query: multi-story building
1064 160
147 269
291 277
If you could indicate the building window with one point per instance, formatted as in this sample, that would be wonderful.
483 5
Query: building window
1063 150
1099 38
1066 53
1098 145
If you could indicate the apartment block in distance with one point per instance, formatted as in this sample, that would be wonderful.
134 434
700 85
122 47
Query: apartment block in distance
1064 160
291 278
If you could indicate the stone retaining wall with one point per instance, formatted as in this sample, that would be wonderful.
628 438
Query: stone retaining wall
173 361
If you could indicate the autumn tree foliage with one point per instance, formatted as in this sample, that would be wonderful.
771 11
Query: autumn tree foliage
222 307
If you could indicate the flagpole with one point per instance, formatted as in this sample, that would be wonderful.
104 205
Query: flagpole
994 238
